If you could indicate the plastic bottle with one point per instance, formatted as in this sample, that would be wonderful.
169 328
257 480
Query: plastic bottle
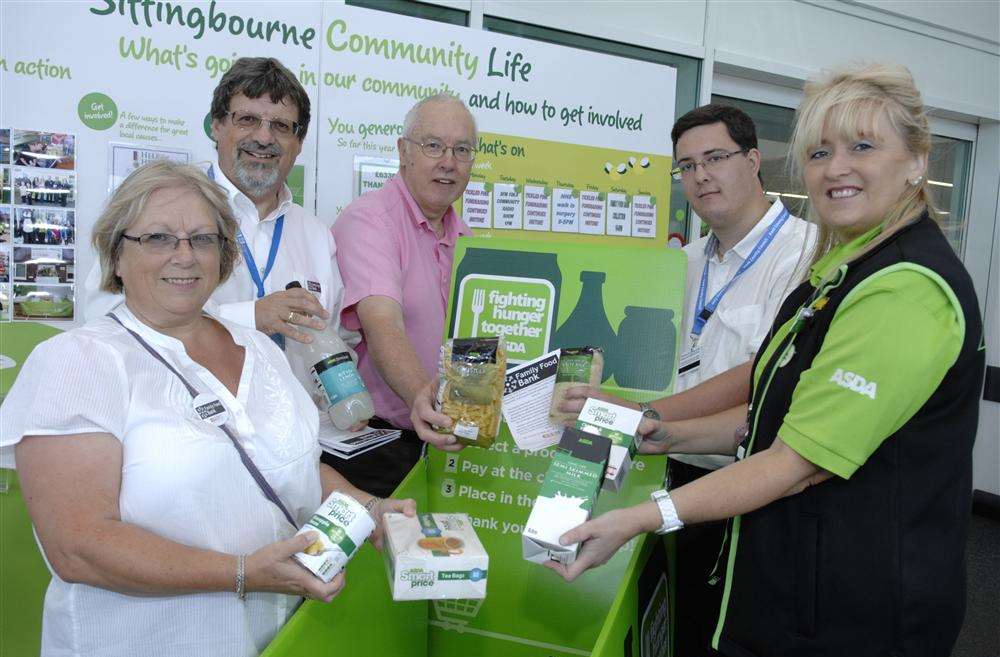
330 364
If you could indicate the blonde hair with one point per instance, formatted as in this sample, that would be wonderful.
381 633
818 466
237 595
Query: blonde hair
849 103
129 201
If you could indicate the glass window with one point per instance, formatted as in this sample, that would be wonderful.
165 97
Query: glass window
416 9
774 136
948 176
688 73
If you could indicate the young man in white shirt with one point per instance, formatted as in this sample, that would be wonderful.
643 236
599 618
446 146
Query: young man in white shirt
754 255
737 277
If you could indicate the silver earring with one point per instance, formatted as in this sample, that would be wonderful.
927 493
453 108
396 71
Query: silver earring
916 181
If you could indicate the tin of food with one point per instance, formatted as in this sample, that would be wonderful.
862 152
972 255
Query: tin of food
343 525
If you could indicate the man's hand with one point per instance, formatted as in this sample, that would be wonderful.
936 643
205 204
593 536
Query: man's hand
577 395
423 416
280 312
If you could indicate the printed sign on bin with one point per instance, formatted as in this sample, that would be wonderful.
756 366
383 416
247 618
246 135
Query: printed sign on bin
520 309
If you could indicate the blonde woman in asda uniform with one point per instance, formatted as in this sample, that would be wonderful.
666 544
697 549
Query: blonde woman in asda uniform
851 492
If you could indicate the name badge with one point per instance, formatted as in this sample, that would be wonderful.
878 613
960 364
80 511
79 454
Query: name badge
313 286
690 361
208 408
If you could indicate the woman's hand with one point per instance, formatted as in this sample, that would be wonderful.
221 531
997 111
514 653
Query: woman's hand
423 416
654 437
271 568
576 396
407 507
602 537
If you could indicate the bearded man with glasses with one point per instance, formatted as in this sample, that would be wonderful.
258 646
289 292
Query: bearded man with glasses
397 246
260 113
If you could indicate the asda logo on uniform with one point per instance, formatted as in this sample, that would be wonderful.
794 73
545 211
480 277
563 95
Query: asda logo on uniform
855 383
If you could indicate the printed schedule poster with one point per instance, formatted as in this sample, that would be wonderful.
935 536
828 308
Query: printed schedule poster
552 153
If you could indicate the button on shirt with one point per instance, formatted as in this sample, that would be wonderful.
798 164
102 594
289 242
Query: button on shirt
743 318
388 248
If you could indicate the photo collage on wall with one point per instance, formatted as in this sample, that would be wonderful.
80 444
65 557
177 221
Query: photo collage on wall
37 225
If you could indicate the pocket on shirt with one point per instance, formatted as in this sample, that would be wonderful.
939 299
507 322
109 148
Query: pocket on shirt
744 323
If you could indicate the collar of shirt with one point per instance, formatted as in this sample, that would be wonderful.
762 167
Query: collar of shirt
242 203
838 254
157 339
454 227
745 245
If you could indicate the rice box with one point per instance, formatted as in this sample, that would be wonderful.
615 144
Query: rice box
434 556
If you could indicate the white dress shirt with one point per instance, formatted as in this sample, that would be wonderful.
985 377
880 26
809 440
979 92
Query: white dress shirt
744 316
181 478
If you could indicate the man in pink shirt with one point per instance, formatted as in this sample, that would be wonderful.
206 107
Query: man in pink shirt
396 247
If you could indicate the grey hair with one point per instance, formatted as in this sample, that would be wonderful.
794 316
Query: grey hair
410 122
129 202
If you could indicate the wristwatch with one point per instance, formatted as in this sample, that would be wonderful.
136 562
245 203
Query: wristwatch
649 411
668 513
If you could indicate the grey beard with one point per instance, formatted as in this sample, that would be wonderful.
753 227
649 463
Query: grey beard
255 181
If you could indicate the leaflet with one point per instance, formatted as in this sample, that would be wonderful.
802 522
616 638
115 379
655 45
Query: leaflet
526 399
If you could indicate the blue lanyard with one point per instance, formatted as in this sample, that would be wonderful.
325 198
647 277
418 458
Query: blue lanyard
702 311
255 275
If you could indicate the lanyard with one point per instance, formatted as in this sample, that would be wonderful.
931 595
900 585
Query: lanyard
244 457
255 275
702 311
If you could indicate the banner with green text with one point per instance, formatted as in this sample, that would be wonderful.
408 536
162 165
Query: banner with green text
573 145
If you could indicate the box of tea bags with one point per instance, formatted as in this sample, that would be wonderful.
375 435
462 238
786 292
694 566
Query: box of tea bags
434 556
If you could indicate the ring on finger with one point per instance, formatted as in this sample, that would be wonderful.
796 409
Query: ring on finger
291 316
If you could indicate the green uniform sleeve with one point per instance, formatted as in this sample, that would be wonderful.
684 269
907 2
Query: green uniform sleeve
888 347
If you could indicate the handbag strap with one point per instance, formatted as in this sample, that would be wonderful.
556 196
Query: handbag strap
244 457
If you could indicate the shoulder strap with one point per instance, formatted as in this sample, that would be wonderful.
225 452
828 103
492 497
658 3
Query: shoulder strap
244 457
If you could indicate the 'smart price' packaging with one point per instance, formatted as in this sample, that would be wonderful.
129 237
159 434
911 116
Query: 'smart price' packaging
434 556
619 424
567 496
342 525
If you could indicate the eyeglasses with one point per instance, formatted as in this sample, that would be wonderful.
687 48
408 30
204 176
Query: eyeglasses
163 242
247 121
436 150
688 167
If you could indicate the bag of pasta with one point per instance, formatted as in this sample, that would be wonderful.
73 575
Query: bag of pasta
470 388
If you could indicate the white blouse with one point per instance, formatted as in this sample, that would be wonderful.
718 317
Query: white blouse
182 479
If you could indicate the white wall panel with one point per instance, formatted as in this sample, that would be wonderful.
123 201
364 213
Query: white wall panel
677 26
792 39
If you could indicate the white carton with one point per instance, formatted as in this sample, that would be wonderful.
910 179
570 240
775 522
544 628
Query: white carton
434 556
567 496
619 424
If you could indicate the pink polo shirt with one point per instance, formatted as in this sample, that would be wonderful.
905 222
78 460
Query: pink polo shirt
386 247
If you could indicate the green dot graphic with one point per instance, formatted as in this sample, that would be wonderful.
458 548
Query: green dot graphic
97 111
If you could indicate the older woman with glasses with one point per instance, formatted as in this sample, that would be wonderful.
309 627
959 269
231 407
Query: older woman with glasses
168 456
851 492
